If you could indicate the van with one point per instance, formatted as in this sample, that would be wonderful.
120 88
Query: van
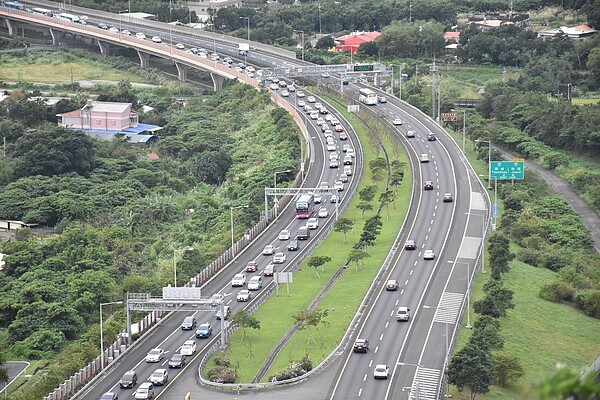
303 233
227 314
403 314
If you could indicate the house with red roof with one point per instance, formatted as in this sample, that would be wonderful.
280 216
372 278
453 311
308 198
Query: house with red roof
352 41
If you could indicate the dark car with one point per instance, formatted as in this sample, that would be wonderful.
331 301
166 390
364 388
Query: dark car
177 361
293 245
102 26
204 331
361 346
410 245
428 185
128 380
188 323
431 137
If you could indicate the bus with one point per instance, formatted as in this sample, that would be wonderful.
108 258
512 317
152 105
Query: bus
367 96
43 11
13 4
70 17
305 206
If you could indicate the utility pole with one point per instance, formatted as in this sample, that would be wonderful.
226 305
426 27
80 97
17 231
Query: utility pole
433 71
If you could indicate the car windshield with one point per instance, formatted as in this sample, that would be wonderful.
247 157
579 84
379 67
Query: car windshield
154 352
176 357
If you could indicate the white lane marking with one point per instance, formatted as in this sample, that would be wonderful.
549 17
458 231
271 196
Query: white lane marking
381 337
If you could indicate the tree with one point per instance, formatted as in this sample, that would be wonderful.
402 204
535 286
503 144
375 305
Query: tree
496 301
325 42
246 320
344 225
500 254
318 261
367 194
310 318
371 230
368 49
566 384
364 206
508 368
386 198
358 255
471 368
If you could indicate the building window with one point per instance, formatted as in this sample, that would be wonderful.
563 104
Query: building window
113 123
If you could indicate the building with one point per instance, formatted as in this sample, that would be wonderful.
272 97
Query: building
352 41
494 20
205 8
106 120
580 32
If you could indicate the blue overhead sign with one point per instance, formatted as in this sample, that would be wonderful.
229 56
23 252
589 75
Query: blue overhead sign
507 170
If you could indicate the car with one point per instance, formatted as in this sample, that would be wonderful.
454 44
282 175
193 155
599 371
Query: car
268 250
114 29
291 88
301 103
269 270
428 185
282 83
410 134
343 178
250 68
311 99
348 160
428 255
382 99
244 295
334 199
129 380
345 148
177 360
392 284
180 46
324 110
333 156
252 266
381 371
156 39
318 198
334 164
320 121
397 121
448 198
155 355
335 121
339 185
324 185
308 109
145 391
217 298
350 152
339 128
343 136
126 32
284 93
275 79
279 258
102 26
109 396
313 115
215 57
293 245
284 235
238 280
188 323
331 146
410 245
140 35
312 223
431 137
188 348
255 283
300 94
403 314
348 170
361 346
159 377
273 86
424 158
323 213
204 331
223 313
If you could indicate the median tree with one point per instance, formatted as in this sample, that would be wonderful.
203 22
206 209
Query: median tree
245 320
317 262
364 206
305 319
367 194
343 225
358 255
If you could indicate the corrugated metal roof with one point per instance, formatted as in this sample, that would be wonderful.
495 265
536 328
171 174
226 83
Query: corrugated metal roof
101 106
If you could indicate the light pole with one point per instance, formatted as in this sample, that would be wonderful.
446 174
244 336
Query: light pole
121 20
302 32
102 332
248 20
175 263
495 206
275 179
464 131
231 215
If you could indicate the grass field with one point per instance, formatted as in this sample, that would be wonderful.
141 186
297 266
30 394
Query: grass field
59 67
342 300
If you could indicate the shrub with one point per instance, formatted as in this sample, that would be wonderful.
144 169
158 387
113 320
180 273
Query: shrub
507 368
221 375
530 257
294 370
222 361
557 292
589 301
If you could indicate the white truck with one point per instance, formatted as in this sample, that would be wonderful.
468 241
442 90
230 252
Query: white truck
243 49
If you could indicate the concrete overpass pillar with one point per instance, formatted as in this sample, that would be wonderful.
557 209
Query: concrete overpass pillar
144 59
218 81
181 71
55 35
12 26
104 49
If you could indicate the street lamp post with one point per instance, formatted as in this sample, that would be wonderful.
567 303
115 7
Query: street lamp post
231 215
302 32
121 20
248 20
102 332
495 206
175 263
275 179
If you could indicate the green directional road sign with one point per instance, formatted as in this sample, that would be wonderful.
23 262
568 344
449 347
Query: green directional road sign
363 67
507 170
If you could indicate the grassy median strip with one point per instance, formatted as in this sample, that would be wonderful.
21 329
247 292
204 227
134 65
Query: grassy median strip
343 299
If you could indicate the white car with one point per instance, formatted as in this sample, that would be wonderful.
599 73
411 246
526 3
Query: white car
311 99
343 178
279 258
424 158
350 152
301 103
114 29
126 32
323 213
272 86
339 185
320 121
334 164
284 235
238 280
334 198
255 283
140 35
428 255
268 250
180 46
397 121
334 156
244 295
217 298
331 147
156 39
155 355
348 170
300 93
381 371
159 377
188 348
313 223
284 93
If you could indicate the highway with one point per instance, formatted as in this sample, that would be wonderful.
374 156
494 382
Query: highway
434 290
